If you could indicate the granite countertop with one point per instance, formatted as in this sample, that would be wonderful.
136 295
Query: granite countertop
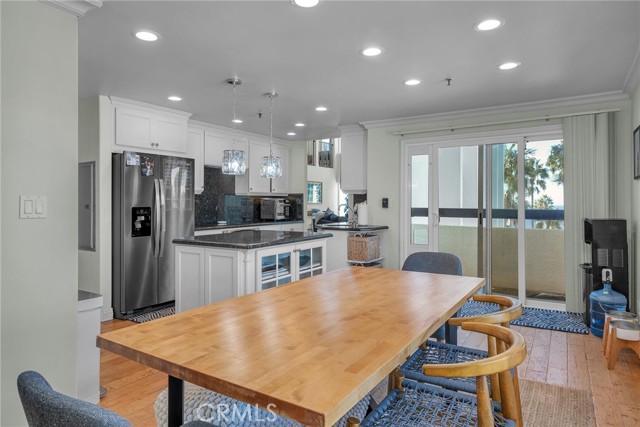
247 224
345 226
251 239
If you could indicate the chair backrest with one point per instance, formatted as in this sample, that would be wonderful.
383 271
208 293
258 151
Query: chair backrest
510 309
511 352
433 262
45 407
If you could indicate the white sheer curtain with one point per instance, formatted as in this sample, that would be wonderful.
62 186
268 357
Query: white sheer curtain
587 149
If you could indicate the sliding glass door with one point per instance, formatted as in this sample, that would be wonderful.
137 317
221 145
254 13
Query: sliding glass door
464 198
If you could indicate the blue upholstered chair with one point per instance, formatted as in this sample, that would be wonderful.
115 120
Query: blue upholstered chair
413 404
45 407
439 263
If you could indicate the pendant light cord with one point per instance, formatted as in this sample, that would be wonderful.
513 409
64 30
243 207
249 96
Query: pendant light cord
271 125
233 137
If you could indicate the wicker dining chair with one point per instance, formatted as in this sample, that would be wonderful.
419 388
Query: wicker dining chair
414 404
438 263
45 407
432 352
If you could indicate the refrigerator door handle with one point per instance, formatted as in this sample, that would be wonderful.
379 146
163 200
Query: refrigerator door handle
156 213
163 221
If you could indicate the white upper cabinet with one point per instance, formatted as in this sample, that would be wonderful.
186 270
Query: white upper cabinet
217 141
195 150
281 185
353 161
252 182
149 128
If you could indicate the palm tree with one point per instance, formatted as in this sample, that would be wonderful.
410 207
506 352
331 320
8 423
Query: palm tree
545 202
535 177
555 163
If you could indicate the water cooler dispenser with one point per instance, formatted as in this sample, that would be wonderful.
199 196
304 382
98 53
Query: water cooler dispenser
608 240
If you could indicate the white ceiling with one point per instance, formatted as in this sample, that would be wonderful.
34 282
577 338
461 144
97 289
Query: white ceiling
311 57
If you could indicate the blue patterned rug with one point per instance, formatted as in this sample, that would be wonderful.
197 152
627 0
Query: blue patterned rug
533 317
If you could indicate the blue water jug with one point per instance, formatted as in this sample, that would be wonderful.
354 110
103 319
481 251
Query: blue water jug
602 301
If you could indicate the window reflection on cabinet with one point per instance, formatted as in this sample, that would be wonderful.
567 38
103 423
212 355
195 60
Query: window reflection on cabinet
276 270
310 262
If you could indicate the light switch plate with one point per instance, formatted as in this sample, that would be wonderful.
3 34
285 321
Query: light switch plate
33 207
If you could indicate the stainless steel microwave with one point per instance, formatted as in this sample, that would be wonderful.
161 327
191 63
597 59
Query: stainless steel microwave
274 209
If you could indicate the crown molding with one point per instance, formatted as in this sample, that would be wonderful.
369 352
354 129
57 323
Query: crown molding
249 135
632 81
116 101
503 109
76 7
351 129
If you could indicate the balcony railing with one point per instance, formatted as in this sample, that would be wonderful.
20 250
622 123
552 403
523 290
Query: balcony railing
544 249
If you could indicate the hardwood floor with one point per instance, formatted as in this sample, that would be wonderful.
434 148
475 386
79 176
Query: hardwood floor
560 358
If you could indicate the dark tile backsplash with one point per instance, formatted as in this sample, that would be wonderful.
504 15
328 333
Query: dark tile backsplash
218 202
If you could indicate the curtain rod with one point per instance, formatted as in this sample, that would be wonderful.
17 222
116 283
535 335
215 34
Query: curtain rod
530 119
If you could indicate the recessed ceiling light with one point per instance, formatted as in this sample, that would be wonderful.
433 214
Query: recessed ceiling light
509 65
147 36
321 108
305 3
238 121
371 51
489 24
291 134
174 98
300 125
412 82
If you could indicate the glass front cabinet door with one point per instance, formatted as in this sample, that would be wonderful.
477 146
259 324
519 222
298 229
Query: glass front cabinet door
284 264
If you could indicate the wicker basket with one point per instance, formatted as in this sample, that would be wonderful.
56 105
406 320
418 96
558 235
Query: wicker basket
363 248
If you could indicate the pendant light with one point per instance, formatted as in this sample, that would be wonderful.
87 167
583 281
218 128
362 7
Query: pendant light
271 166
234 162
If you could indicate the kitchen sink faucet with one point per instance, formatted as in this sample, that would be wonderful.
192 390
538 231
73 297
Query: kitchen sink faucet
353 220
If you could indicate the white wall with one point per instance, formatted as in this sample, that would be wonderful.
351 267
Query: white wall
635 122
0 221
298 165
88 150
39 157
383 160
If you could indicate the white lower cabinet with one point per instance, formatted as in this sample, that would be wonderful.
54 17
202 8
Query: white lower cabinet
208 275
189 277
224 275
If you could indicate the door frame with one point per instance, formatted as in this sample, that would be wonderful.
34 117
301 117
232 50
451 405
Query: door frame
488 138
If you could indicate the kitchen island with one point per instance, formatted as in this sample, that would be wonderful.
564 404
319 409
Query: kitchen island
216 267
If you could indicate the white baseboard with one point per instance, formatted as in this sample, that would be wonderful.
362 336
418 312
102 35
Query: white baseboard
106 314
549 305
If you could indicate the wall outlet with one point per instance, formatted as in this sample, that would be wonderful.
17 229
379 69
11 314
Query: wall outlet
385 202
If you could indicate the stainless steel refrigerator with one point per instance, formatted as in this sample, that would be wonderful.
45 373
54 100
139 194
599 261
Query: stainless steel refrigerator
153 204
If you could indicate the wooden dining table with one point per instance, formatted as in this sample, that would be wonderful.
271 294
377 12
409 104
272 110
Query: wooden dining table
309 350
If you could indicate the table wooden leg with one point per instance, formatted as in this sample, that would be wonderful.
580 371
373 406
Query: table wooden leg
451 332
175 402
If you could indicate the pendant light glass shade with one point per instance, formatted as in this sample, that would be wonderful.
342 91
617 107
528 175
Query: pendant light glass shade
271 166
234 162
